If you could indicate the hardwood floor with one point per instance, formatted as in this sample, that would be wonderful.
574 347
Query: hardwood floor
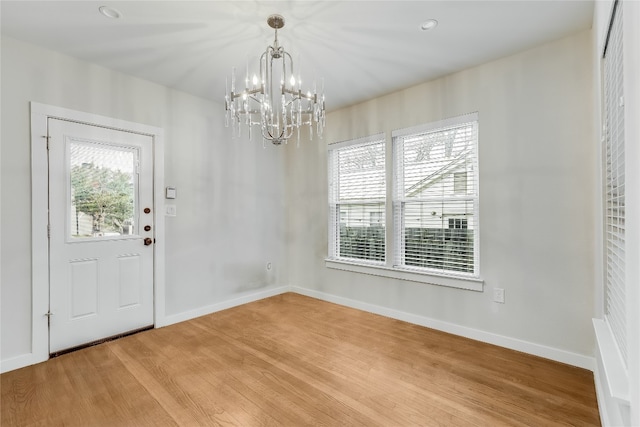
295 361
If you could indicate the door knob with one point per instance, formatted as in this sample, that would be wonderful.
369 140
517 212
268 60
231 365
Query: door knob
148 241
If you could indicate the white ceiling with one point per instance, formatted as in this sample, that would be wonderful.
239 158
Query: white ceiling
362 49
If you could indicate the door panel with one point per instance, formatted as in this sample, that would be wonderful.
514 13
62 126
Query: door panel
101 271
84 287
129 278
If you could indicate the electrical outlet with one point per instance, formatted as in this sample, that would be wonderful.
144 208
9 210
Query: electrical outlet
498 295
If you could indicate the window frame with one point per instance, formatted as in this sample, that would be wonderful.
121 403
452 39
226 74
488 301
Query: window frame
335 214
399 200
387 269
614 147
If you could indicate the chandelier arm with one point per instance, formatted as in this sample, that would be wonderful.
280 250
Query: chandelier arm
263 59
265 68
285 53
305 111
245 93
270 137
287 135
301 95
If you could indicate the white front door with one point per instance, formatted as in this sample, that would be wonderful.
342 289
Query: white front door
101 233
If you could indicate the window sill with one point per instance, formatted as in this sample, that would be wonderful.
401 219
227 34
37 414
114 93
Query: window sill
615 372
468 283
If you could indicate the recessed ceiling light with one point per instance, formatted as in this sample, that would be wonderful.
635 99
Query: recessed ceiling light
109 12
429 24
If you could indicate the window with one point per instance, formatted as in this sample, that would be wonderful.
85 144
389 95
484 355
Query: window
460 183
103 183
357 197
435 197
614 180
457 223
433 226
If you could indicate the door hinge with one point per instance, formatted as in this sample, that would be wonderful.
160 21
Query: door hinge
48 315
47 137
49 231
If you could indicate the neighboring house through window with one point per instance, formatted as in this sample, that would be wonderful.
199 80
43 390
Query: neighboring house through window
434 221
433 196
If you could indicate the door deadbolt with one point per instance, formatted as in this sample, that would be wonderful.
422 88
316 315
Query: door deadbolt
147 228
147 210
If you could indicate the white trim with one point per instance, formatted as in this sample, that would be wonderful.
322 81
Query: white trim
609 409
39 219
440 124
39 240
159 289
378 137
234 302
605 418
469 283
546 352
611 378
615 373
21 361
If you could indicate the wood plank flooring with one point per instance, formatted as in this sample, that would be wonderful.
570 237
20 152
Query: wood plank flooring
291 360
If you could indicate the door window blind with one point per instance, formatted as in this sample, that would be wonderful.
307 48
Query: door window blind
357 199
614 197
436 196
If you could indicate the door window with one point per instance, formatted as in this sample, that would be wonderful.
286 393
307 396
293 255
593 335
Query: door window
103 190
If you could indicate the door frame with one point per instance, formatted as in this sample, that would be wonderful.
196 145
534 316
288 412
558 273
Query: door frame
40 113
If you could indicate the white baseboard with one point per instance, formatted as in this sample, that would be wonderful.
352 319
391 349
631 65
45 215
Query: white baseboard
563 356
601 396
558 355
20 362
203 311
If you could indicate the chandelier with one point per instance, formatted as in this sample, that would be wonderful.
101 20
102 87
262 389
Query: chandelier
273 99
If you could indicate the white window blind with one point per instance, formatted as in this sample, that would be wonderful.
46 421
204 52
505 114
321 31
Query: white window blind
614 141
435 197
357 199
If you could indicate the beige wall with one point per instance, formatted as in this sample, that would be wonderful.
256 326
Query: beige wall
230 192
538 170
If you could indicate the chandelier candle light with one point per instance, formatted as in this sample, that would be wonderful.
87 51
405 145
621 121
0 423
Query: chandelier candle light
274 99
